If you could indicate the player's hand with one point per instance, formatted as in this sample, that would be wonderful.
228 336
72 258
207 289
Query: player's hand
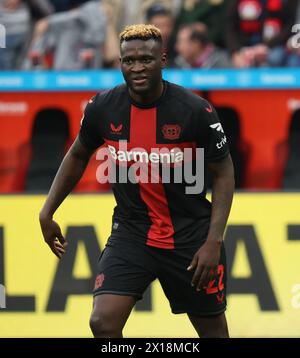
53 236
205 264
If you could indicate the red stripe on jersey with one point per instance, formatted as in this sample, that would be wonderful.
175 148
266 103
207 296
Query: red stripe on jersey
143 134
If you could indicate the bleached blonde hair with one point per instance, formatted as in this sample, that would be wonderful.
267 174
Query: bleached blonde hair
140 32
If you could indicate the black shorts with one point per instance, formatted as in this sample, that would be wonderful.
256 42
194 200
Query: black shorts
127 267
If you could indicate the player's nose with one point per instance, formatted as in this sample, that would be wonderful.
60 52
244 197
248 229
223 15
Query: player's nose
137 67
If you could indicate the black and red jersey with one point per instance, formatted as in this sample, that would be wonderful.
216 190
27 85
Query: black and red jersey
161 214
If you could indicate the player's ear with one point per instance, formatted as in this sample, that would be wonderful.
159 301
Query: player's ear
163 60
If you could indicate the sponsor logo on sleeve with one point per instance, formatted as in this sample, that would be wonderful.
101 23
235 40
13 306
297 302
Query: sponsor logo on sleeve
217 126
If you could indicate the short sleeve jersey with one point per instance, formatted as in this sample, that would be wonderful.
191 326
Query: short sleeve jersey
165 135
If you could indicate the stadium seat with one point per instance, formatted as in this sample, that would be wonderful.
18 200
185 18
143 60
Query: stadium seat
291 176
49 141
14 162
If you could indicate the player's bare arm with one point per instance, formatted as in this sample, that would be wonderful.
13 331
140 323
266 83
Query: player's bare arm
68 175
206 259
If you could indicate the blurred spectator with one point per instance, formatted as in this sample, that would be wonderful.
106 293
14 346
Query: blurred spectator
111 50
162 18
75 38
173 6
196 50
134 11
40 8
65 5
210 12
257 31
117 12
120 14
15 17
292 58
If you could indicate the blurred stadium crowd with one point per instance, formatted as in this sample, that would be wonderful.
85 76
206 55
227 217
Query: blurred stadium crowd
79 34
37 128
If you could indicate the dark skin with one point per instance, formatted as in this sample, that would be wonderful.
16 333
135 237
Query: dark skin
141 64
144 61
206 259
68 175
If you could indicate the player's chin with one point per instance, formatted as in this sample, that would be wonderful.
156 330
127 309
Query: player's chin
140 88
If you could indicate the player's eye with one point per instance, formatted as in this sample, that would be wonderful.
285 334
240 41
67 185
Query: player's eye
146 60
127 61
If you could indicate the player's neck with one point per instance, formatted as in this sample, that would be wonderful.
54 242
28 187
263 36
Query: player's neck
147 98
